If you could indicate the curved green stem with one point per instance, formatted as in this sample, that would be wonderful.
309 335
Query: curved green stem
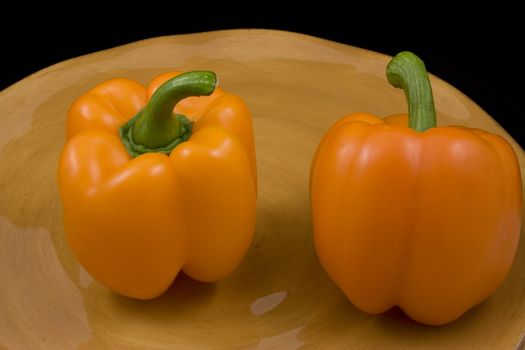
407 71
156 128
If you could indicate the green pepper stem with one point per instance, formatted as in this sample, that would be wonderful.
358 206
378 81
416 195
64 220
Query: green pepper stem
407 71
156 128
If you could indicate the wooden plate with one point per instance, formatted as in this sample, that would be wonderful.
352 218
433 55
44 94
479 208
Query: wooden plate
296 86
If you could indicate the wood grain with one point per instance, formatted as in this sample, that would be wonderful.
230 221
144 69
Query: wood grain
279 298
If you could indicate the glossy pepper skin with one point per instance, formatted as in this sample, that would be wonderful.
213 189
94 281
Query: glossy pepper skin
426 218
134 222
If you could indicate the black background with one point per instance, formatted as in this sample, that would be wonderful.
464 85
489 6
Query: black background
476 52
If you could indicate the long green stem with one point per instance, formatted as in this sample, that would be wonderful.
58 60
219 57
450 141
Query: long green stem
156 128
407 71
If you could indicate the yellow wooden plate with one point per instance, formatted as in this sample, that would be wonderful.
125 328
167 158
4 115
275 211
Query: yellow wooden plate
279 298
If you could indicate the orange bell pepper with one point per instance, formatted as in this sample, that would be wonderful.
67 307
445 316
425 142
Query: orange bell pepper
147 196
423 217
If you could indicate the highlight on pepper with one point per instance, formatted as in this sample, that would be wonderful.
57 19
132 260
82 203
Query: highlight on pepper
409 214
157 180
